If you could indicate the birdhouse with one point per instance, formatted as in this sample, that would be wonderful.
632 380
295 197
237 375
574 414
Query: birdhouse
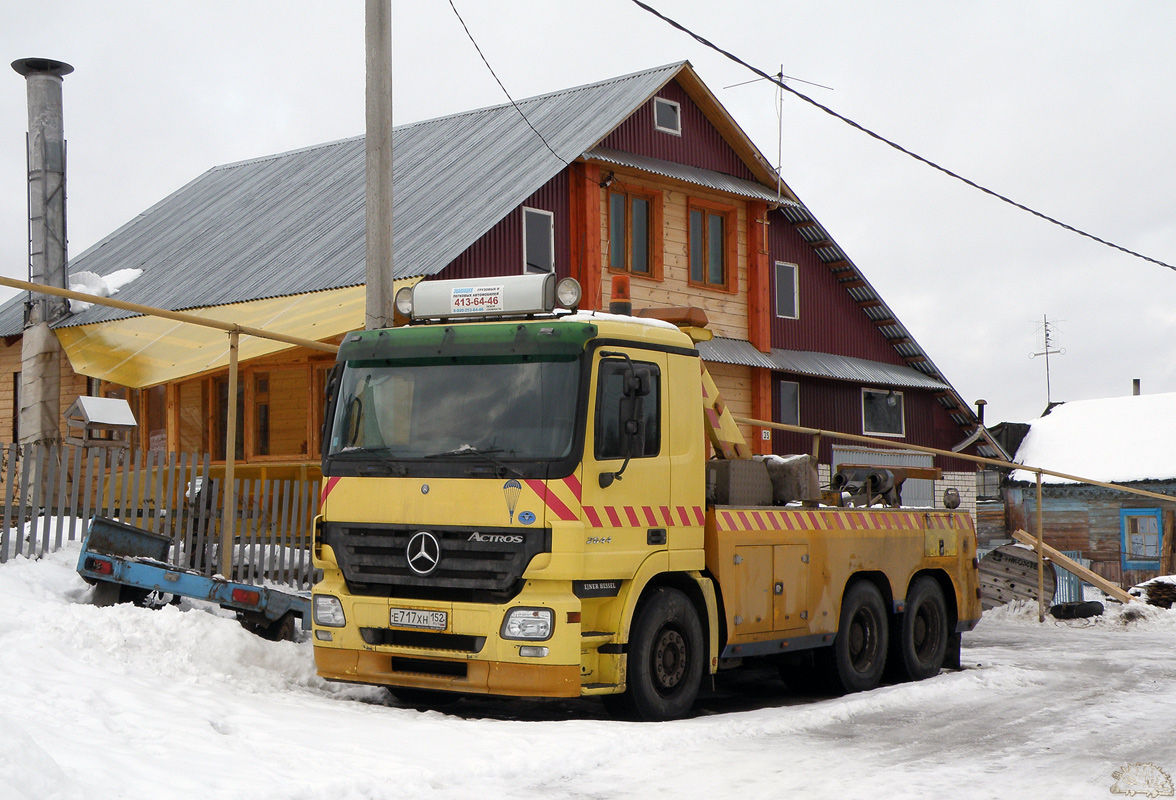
103 422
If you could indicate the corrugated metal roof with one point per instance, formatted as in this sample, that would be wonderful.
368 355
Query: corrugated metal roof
294 222
695 175
821 365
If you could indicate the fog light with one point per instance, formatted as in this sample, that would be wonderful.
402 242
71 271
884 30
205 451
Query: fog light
528 623
328 611
324 636
567 293
403 301
532 651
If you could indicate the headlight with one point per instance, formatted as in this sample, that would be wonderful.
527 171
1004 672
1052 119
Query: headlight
528 623
328 611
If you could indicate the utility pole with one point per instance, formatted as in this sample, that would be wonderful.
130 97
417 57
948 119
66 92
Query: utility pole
378 148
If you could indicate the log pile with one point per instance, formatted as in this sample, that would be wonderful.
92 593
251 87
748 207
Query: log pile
1160 592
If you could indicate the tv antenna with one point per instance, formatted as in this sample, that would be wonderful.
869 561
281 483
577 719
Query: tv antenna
781 77
1047 331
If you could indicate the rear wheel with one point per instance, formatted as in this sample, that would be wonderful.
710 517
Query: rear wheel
859 651
666 657
924 630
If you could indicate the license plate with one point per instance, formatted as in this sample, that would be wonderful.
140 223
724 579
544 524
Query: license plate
416 618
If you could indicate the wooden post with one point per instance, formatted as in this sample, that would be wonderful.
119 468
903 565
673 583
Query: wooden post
1040 558
229 515
1167 567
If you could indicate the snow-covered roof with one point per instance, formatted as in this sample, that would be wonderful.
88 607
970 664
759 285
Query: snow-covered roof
1114 439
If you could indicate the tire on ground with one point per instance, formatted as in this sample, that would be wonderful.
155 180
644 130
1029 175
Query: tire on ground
863 633
666 657
924 634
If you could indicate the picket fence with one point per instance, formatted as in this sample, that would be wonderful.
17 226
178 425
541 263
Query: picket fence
51 492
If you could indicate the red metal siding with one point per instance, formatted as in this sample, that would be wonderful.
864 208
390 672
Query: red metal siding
837 406
700 145
829 321
500 250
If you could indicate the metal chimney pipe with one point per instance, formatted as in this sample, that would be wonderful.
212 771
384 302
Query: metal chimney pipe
980 410
40 391
1135 387
46 161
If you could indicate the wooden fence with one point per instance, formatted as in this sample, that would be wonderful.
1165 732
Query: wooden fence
51 493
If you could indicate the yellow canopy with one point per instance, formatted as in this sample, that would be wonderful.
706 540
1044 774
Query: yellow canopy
146 350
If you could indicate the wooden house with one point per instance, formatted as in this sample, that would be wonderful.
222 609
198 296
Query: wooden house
1124 440
645 174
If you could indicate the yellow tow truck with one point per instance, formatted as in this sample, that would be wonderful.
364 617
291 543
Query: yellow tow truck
521 500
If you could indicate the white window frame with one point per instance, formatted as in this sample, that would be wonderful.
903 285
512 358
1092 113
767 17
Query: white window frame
902 414
795 289
677 113
527 270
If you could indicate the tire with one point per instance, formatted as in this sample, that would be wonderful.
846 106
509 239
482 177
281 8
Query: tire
863 636
666 657
924 633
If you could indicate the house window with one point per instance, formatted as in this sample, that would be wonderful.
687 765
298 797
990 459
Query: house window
988 484
788 402
192 419
630 232
15 407
786 291
667 116
220 389
538 240
882 413
1141 531
612 405
155 400
281 412
711 246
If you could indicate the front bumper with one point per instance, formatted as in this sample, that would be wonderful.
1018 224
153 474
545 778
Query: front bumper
480 677
469 656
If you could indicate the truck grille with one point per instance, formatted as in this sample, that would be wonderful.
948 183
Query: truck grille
473 564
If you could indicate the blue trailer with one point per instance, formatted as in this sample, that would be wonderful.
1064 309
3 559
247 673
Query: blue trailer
126 563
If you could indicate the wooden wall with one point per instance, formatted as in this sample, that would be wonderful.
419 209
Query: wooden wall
726 310
1086 519
72 385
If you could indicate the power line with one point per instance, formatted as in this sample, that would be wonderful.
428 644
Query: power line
503 88
707 43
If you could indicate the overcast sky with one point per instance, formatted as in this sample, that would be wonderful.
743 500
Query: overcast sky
1065 106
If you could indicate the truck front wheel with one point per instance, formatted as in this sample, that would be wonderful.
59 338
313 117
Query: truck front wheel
859 651
666 657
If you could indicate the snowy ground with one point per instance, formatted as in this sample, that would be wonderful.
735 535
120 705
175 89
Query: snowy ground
123 702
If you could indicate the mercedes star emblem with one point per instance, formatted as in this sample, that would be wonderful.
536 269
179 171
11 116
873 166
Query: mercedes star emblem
424 553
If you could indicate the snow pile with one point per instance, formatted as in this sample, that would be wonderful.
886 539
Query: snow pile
1116 439
183 704
100 285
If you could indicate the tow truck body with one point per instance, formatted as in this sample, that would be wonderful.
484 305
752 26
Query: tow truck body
127 563
528 507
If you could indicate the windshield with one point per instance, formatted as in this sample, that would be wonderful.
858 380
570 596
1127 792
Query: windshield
522 410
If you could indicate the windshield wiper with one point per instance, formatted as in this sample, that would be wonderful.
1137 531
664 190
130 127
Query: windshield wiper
384 466
469 450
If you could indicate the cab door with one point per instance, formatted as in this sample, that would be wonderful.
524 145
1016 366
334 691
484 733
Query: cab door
626 477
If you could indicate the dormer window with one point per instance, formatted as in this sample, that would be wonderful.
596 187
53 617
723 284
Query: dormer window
667 116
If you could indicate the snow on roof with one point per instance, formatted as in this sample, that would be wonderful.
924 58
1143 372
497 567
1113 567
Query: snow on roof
1114 439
